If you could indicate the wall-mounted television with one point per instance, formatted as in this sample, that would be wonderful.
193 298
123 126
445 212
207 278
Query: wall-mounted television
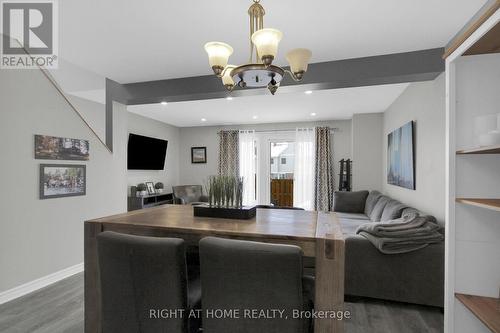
145 153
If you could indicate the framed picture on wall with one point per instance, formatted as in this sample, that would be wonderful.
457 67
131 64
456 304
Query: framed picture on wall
198 154
400 157
62 180
56 148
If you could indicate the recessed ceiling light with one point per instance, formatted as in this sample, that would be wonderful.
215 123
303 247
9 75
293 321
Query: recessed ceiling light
255 117
313 114
163 103
229 98
308 92
203 119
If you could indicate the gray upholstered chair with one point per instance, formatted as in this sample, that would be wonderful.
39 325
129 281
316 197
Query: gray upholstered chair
139 274
189 194
249 275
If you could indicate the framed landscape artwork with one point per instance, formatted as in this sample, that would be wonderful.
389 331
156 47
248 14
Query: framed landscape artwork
62 180
55 148
198 154
401 157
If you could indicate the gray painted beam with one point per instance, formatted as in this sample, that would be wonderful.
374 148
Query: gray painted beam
405 67
385 69
115 92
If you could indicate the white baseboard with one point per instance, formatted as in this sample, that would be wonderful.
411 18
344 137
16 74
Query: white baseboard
34 285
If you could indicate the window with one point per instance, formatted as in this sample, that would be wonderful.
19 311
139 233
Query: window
283 160
272 161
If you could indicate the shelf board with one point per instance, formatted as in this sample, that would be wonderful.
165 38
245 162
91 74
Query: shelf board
493 204
480 150
487 309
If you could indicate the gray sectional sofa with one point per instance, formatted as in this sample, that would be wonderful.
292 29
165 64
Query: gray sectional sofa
414 277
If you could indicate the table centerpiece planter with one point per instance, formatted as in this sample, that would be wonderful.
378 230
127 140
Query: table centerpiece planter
225 199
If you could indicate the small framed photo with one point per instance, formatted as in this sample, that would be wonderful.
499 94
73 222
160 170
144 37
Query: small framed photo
62 180
198 154
151 187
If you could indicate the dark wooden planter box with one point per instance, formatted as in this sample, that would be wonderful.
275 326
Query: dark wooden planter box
244 213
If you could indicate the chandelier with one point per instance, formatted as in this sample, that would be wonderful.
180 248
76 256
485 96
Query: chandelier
258 72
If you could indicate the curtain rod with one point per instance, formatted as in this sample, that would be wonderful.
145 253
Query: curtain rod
333 129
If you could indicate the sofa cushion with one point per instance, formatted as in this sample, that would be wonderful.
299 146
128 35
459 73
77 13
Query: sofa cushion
377 211
354 216
392 210
349 202
414 277
371 201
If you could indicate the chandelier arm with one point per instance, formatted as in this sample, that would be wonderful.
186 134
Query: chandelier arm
292 76
223 71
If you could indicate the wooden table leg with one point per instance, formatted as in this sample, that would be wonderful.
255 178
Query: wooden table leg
329 272
92 285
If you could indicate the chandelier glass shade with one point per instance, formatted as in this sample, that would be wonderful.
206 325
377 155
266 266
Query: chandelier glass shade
266 42
258 72
218 55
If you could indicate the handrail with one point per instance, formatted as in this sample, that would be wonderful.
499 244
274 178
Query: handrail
54 83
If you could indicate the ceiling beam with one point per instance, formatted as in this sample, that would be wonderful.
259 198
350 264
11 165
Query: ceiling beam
384 69
405 67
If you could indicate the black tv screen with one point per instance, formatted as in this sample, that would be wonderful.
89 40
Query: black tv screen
145 153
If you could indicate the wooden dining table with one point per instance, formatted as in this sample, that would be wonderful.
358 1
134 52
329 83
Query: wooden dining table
318 234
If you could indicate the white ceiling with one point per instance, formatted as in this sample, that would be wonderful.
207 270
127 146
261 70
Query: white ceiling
282 107
131 41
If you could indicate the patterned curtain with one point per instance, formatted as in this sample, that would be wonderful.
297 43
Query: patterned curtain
229 153
325 176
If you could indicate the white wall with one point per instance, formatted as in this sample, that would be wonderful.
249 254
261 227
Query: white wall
169 176
367 130
40 237
424 103
207 137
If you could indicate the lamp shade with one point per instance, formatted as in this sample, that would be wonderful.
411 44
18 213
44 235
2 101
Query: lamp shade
218 53
298 60
227 79
266 41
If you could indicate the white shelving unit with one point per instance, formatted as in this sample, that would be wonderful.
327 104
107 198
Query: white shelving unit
473 181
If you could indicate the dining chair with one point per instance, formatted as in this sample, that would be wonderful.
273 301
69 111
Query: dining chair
189 195
144 285
251 276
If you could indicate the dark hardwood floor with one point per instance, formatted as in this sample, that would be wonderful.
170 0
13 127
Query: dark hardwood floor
56 308
59 308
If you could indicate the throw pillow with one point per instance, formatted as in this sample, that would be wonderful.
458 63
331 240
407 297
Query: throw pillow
349 202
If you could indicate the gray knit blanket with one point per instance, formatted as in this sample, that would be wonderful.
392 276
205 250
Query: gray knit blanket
408 233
